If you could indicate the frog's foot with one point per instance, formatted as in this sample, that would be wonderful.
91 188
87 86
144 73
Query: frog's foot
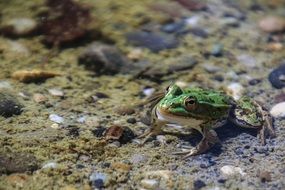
210 139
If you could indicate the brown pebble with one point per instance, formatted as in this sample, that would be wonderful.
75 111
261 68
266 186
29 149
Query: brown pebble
275 46
125 110
272 24
17 179
39 98
114 132
33 75
121 166
265 176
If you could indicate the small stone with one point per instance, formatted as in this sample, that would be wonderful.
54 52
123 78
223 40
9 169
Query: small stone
229 171
148 91
275 46
193 5
199 184
150 183
192 21
211 68
55 126
217 50
231 22
182 63
278 110
138 159
122 134
39 98
199 32
19 26
56 118
235 90
18 180
272 24
247 60
277 77
9 105
173 27
17 162
153 41
102 59
33 75
99 131
254 82
265 176
81 119
92 121
5 85
131 120
18 48
135 54
125 110
52 165
99 180
56 92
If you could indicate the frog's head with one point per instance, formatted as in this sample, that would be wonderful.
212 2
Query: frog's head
193 102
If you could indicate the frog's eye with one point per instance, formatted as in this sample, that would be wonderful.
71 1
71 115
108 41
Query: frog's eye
190 103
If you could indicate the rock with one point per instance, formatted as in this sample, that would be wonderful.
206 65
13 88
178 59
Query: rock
56 118
56 92
39 98
121 166
148 91
181 63
102 59
150 183
135 54
138 159
99 180
19 27
33 75
231 22
193 5
211 68
99 131
217 50
235 90
18 48
229 171
247 60
272 24
199 184
192 21
278 110
199 32
9 105
277 77
265 176
173 27
5 85
55 126
153 41
131 120
52 165
18 180
122 134
125 110
253 82
92 121
275 46
17 162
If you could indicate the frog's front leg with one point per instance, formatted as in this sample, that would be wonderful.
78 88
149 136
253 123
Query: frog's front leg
210 138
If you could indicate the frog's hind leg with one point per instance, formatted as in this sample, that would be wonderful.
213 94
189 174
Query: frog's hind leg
210 138
250 114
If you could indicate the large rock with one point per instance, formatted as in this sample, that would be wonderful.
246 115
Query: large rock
9 105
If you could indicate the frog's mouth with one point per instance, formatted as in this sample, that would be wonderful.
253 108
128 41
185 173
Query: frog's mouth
164 115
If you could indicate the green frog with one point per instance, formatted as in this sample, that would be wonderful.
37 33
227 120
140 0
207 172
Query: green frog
204 110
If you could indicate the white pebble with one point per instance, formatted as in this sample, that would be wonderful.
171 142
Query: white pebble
181 84
192 21
81 119
149 183
247 60
235 90
278 110
92 121
56 92
50 165
22 26
39 98
18 48
5 84
148 91
56 118
229 170
55 126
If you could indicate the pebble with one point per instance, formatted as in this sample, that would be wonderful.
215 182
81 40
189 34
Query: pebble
231 22
125 110
131 120
18 48
39 98
272 24
265 176
173 27
92 121
150 183
138 159
9 105
153 41
235 90
247 60
217 50
211 68
277 77
275 46
192 21
52 165
119 166
193 5
5 85
229 171
33 75
55 126
17 162
122 134
56 92
56 118
17 180
182 63
199 184
99 180
102 59
135 54
148 91
199 32
19 26
278 110
81 119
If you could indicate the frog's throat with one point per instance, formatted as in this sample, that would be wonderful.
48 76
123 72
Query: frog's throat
163 115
